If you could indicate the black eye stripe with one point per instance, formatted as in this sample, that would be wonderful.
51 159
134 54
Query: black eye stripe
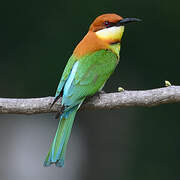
108 24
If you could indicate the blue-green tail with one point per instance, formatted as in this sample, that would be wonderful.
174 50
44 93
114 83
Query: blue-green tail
57 150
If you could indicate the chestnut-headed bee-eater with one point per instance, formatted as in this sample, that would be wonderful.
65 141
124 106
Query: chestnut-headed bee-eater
90 66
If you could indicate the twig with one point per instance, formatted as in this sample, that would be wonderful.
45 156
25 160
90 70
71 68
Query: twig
116 100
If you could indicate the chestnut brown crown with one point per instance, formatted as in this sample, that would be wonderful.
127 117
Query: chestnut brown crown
104 21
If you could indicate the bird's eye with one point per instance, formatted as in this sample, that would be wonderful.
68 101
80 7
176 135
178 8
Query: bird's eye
108 24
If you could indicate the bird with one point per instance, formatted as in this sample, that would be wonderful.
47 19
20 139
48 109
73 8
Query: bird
93 61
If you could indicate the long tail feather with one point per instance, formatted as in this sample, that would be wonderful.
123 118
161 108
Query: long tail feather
58 147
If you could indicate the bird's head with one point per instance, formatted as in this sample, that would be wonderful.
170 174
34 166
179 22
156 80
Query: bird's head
110 27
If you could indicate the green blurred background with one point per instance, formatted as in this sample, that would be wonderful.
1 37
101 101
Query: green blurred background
128 144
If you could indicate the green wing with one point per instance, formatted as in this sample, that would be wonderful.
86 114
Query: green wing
92 73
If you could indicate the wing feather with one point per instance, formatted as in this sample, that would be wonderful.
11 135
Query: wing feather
91 74
65 74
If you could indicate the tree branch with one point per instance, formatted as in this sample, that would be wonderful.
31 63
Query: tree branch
116 100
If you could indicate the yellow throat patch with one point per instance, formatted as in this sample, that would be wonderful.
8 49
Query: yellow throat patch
113 34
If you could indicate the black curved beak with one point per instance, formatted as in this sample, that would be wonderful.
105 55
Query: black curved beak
127 20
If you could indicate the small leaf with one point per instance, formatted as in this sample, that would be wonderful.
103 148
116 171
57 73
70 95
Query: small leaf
120 89
167 83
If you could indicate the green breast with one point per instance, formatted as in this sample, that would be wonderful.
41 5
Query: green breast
115 48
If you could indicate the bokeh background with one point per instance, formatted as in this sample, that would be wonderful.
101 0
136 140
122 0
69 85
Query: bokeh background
130 143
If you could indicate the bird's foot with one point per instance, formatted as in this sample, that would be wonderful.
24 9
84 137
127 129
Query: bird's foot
99 93
60 112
